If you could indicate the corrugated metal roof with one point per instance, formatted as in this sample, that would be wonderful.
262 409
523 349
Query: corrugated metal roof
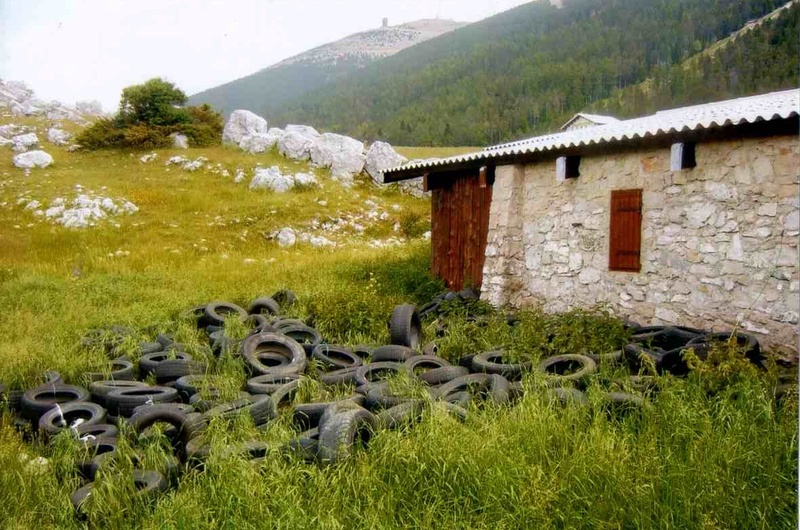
764 107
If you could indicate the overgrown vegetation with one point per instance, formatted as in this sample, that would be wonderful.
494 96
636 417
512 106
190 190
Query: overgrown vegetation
714 450
148 114
528 70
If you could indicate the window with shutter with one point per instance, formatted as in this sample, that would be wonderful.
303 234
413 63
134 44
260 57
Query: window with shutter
624 249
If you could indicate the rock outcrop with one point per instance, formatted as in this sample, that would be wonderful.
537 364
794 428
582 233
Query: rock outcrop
343 155
297 142
243 123
33 159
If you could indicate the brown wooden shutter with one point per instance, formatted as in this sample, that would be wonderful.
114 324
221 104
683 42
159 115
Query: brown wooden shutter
625 243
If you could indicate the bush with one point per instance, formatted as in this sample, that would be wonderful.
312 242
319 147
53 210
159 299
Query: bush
148 116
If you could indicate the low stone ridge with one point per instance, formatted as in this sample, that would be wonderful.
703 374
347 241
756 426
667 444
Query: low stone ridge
272 179
84 210
32 159
21 100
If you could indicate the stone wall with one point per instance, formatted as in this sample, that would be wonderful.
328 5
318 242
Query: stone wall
719 241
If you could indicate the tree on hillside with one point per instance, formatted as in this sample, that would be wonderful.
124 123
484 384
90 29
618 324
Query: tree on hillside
156 102
148 114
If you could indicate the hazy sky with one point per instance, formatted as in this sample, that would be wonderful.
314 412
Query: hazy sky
74 50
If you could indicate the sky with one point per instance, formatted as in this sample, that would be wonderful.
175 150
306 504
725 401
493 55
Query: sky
78 50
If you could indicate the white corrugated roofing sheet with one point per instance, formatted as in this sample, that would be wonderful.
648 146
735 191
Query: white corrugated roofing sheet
765 107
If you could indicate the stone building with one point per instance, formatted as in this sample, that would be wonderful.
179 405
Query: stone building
689 216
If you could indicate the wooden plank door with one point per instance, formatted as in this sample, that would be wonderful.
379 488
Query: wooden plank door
460 227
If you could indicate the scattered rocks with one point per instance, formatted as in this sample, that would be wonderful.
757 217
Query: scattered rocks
33 159
58 136
148 158
23 142
21 101
243 123
273 180
185 163
82 211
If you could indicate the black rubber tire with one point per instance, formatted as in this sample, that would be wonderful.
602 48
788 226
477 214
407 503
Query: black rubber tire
491 362
303 447
643 383
264 306
346 376
273 343
183 408
121 401
100 389
51 377
62 417
79 497
281 322
149 362
490 386
620 403
431 308
516 391
285 298
165 339
745 342
259 323
440 376
363 351
335 408
392 353
554 366
204 405
402 415
37 401
420 364
97 431
430 349
173 369
459 412
335 357
405 328
462 399
12 399
466 361
261 409
380 397
121 370
269 383
149 483
338 436
566 396
307 415
148 416
214 313
377 371
285 393
187 385
614 357
307 336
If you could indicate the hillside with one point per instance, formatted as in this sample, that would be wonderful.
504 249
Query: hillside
527 70
267 90
759 57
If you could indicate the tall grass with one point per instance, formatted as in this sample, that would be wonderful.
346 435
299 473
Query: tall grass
712 450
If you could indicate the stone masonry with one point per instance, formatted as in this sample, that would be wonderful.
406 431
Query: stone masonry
719 241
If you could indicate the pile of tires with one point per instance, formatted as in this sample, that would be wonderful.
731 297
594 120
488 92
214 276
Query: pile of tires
162 384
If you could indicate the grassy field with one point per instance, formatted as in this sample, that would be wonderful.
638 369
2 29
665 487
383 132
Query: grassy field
709 451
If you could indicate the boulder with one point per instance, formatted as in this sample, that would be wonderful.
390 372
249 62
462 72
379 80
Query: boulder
305 179
148 158
91 108
381 156
258 143
5 141
243 123
179 141
272 179
343 155
58 136
286 237
23 141
297 141
32 159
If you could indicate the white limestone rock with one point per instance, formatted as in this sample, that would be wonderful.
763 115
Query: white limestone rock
320 241
272 179
90 108
286 237
148 158
243 123
179 141
23 142
381 156
305 179
343 155
258 143
33 159
297 142
58 136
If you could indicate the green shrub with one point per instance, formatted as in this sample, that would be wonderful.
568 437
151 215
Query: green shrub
413 225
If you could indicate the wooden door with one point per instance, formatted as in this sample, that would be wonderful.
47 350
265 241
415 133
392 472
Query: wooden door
460 225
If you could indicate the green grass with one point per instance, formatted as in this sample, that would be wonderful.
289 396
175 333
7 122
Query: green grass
709 451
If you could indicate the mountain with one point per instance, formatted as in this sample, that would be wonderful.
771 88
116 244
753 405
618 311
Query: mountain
527 70
269 89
